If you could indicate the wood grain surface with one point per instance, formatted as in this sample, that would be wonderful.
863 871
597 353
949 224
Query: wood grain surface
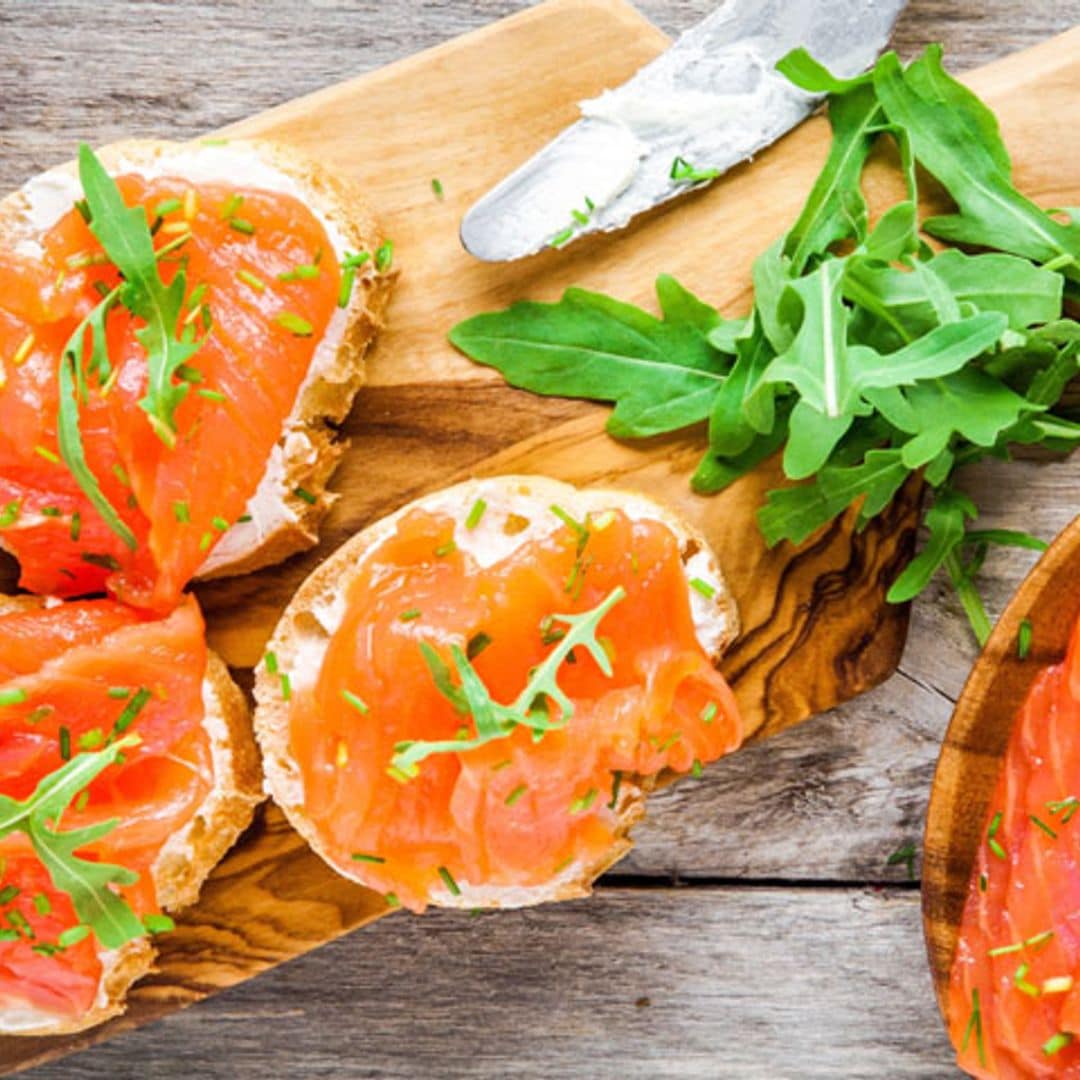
824 803
978 736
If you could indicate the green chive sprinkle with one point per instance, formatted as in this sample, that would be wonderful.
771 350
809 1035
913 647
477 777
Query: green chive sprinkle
500 765
166 207
995 824
516 794
271 663
384 257
975 1024
1036 940
241 225
445 549
1040 824
40 713
303 493
695 769
205 541
1023 639
299 273
355 259
1056 1043
1069 805
561 238
297 326
232 204
46 511
158 924
181 512
408 616
15 696
355 701
193 301
248 278
132 710
65 744
708 714
8 893
703 587
1004 950
10 514
616 785
92 739
669 742
579 806
76 526
360 856
984 881
449 881
998 850
392 900
243 519
348 280
121 474
105 562
475 514
477 644
220 524
1021 983
286 687
8 935
437 188
42 904
84 209
47 454
72 936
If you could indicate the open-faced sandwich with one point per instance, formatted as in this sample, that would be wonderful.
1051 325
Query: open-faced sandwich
466 704
1014 997
180 326
127 769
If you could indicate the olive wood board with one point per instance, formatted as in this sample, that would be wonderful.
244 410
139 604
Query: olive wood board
978 736
816 628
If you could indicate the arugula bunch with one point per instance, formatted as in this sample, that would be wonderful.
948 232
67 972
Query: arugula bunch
868 354
89 884
125 236
531 708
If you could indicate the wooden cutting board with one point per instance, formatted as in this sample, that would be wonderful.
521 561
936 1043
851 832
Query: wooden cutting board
816 627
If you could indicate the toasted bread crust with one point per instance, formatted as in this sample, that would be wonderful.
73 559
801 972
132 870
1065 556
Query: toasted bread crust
299 623
189 856
326 400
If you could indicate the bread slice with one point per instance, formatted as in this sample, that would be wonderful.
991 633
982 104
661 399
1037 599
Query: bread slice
300 639
187 858
307 452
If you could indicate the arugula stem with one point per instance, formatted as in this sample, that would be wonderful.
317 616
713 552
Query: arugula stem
969 598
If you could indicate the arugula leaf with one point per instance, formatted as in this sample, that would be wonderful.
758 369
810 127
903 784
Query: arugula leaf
716 472
662 374
800 68
530 709
124 234
950 141
744 406
89 884
946 520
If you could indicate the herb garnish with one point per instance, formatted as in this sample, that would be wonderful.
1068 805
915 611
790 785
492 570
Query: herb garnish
531 708
865 363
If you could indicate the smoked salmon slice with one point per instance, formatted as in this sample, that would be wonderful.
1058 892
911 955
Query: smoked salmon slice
262 282
75 679
433 641
1014 996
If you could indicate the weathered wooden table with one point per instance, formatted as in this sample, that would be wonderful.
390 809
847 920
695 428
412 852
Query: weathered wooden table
756 931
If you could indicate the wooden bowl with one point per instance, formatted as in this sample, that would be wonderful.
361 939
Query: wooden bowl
978 734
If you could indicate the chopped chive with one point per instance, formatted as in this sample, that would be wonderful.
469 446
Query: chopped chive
1056 1043
475 514
10 514
158 924
65 744
355 259
166 207
516 794
995 824
500 765
580 531
1021 983
83 208
22 353
105 562
549 632
15 696
1036 940
271 663
243 519
975 1024
232 204
703 587
563 864
250 279
207 317
299 273
355 701
436 187
449 881
73 935
49 455
293 323
1005 950
40 713
8 893
1040 824
18 920
286 687
181 512
998 850
1023 639
1069 805
92 739
580 216
132 710
46 511
445 549
392 900
242 225
580 805
193 301
42 904
360 856
410 615
220 524
708 714
76 525
121 475
561 238
669 742
348 280
984 881
384 257
303 493
205 541
695 769
615 787
9 935
477 644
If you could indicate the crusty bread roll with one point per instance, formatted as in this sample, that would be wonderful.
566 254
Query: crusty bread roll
301 637
282 523
187 858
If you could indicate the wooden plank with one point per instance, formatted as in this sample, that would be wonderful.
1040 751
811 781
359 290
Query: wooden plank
753 984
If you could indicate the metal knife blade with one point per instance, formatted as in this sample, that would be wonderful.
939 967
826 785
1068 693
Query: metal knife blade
713 99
